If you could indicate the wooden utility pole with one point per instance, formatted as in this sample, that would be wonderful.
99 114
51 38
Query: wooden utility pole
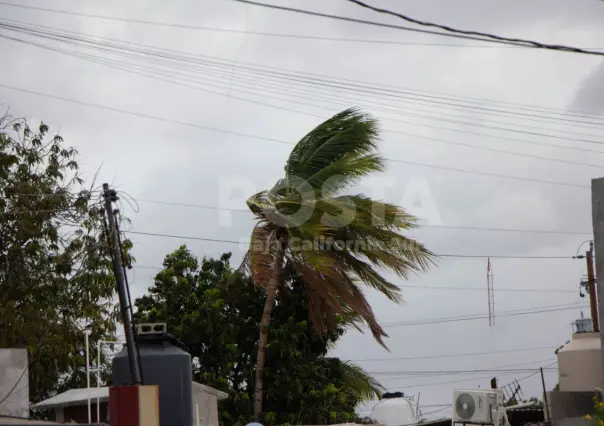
597 217
591 280
118 270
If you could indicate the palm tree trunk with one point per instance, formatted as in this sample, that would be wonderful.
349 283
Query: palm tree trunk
271 292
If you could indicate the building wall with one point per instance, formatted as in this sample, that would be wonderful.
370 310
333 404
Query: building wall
564 405
206 405
14 373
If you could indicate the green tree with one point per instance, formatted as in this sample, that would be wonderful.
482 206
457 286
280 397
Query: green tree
217 316
333 241
55 276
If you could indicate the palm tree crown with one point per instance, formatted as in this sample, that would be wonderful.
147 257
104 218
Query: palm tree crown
335 242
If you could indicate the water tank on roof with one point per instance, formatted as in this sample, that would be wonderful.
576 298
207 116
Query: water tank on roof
167 363
394 411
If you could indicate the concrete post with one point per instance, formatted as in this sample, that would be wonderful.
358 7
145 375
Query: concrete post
597 217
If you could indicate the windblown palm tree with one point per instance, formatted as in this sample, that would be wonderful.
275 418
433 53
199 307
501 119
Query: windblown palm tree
337 243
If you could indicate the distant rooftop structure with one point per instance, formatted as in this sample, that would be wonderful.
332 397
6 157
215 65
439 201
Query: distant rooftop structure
75 397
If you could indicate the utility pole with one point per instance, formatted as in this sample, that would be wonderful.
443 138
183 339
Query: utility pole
591 280
545 395
116 255
597 217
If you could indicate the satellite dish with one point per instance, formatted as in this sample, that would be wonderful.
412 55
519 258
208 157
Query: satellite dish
465 407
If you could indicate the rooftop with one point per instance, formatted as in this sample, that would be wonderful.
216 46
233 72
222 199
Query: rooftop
74 397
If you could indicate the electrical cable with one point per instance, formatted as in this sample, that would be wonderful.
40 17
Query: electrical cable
427 287
245 32
527 290
543 309
376 85
138 70
430 373
417 385
471 35
480 256
497 369
535 348
536 157
469 228
532 43
61 36
193 125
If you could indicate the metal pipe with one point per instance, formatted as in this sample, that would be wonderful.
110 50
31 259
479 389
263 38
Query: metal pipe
86 334
591 280
98 381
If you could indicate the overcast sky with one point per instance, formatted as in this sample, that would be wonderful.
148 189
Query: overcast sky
155 160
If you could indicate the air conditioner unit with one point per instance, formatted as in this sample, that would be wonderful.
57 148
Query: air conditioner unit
477 406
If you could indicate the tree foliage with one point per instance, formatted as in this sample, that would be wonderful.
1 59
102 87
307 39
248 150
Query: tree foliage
217 317
55 274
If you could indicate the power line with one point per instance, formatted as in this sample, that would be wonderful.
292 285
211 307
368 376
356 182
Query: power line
497 175
125 66
460 227
527 107
153 234
245 32
430 373
437 411
544 309
284 35
501 151
419 385
428 287
142 115
470 35
480 256
235 69
453 355
198 126
531 43
505 290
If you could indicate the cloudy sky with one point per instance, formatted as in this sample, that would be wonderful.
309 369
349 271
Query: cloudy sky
192 133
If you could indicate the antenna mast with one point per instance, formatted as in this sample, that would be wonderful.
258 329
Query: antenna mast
490 294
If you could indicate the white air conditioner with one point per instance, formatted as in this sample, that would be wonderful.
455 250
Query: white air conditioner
477 406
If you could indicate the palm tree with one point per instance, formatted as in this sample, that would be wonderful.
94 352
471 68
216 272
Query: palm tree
335 242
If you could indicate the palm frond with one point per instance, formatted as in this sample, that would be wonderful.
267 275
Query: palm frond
366 387
332 289
345 172
306 209
348 132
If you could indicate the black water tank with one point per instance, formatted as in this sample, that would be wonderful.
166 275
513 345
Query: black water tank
166 363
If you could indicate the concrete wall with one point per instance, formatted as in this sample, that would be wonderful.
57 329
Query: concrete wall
207 406
564 405
14 373
574 421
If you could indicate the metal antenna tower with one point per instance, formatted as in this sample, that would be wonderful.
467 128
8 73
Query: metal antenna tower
490 294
